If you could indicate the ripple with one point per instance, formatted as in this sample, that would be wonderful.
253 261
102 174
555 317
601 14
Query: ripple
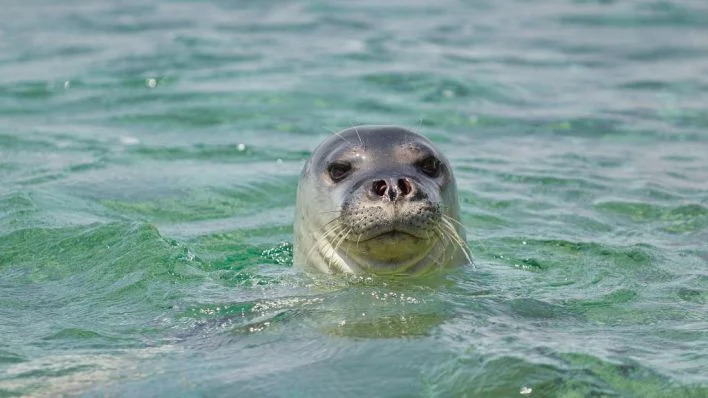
434 88
681 219
149 156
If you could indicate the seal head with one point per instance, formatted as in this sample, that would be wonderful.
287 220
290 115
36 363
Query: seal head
378 199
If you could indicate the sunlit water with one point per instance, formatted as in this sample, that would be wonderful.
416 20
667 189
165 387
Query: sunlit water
149 155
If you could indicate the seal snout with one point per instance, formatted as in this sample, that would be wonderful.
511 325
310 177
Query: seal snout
391 189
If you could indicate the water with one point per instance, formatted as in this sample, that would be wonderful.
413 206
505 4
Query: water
149 154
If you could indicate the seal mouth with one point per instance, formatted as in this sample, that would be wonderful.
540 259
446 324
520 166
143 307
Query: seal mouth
394 234
405 222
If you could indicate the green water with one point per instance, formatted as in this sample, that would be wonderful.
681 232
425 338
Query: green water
149 155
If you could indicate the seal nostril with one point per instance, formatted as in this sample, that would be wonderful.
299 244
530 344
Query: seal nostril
405 186
379 187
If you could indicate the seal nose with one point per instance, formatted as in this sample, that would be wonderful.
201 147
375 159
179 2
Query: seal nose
392 189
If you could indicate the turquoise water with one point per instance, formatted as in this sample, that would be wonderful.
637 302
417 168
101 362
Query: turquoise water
149 155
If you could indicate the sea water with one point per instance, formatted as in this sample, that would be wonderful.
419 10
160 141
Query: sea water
149 157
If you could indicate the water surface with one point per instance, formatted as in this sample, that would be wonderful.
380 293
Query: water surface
149 155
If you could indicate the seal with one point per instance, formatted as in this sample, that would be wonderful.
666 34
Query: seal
378 200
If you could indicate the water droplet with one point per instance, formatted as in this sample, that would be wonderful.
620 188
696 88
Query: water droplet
241 147
151 83
523 242
67 84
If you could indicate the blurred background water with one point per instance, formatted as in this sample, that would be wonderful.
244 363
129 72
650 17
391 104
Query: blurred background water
149 155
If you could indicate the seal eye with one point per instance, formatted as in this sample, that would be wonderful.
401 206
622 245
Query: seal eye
338 171
430 166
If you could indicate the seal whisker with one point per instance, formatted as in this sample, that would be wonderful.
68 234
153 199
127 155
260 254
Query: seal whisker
449 239
446 242
451 220
344 236
335 219
437 231
338 134
318 243
361 142
457 239
451 233
336 246
464 228
330 227
329 257
451 228
315 246
429 234
448 218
